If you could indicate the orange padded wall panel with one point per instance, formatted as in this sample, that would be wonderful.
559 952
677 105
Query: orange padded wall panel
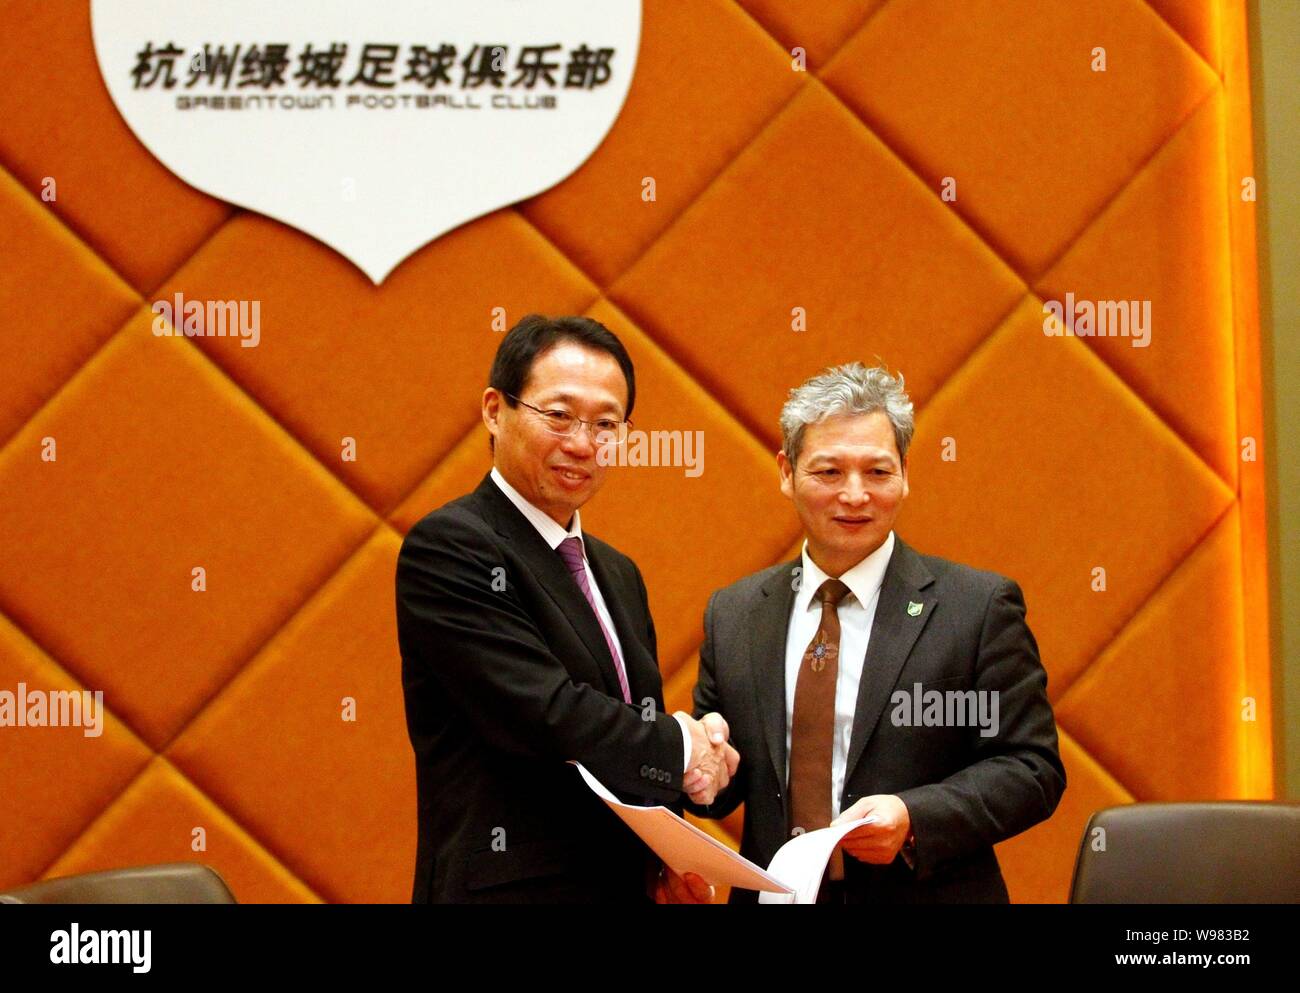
778 186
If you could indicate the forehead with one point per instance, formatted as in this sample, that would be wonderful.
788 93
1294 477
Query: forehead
850 436
576 373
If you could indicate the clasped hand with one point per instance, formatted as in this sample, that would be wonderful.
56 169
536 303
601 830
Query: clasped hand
713 761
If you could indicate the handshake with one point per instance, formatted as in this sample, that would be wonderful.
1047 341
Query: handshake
712 762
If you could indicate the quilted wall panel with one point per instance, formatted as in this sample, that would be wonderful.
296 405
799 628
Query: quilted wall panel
776 189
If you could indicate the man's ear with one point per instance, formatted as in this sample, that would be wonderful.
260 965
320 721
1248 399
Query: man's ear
492 410
787 473
905 486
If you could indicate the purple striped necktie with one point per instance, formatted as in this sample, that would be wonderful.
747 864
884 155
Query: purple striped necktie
570 550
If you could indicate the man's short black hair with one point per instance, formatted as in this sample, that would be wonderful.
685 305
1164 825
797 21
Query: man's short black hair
536 333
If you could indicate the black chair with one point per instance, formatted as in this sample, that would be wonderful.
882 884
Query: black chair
1244 851
174 882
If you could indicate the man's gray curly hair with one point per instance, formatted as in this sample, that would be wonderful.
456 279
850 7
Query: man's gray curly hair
846 389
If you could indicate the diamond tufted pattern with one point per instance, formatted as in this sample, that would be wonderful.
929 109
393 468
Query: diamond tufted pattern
775 190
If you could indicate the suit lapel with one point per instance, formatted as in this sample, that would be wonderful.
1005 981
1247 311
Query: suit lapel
767 637
551 574
894 630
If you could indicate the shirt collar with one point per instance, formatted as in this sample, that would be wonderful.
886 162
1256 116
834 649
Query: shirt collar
863 580
545 524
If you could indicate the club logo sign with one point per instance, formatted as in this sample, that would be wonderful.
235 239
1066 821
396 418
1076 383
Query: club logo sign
372 127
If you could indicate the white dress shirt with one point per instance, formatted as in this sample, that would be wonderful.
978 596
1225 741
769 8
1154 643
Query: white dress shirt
552 533
856 612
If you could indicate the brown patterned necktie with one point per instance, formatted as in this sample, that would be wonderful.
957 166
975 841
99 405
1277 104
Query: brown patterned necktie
812 732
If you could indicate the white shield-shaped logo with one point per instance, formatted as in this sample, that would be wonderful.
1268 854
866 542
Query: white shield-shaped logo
373 127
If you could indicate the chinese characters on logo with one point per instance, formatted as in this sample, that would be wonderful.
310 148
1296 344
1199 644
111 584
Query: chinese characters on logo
377 66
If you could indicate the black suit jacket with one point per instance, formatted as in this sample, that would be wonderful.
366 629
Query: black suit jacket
506 676
963 792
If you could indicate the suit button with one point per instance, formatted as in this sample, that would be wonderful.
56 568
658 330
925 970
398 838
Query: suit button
644 771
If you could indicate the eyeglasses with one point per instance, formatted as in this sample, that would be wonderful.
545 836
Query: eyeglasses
604 430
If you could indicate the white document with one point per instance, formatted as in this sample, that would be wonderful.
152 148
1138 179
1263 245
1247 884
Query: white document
794 876
683 846
802 861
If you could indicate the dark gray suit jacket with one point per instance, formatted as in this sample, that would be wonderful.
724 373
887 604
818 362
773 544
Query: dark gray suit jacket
964 792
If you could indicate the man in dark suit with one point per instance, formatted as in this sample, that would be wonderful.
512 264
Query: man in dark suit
526 643
865 679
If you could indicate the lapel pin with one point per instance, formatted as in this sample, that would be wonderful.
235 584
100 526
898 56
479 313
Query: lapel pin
914 608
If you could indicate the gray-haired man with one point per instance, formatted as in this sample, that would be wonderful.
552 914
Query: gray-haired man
863 678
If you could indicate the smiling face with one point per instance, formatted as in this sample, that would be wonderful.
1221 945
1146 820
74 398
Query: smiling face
554 473
847 487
